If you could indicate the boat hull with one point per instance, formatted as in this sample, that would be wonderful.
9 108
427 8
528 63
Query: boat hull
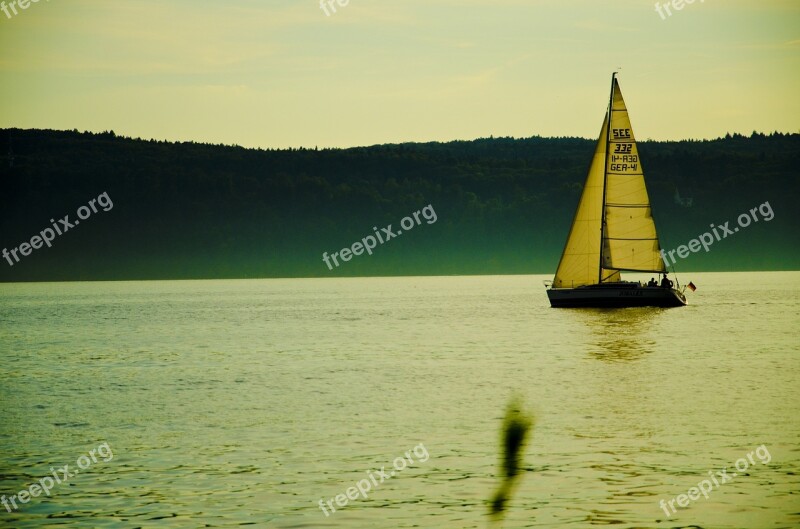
615 295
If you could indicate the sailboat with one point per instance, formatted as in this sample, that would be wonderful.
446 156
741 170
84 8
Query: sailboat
613 230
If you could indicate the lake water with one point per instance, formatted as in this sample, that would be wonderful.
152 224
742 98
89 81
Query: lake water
229 403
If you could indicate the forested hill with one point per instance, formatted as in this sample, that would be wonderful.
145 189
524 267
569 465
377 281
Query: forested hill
503 205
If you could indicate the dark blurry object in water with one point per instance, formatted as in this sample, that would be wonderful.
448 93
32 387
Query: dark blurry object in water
516 425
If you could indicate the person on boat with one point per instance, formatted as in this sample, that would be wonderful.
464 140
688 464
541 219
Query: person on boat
665 282
652 282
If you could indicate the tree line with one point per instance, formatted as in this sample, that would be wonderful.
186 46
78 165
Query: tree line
504 205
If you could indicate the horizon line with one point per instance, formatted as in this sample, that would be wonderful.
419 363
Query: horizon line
409 142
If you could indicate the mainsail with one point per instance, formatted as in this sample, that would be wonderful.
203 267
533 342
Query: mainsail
613 228
630 241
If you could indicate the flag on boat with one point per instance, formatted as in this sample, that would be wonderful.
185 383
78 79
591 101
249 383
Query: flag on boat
691 286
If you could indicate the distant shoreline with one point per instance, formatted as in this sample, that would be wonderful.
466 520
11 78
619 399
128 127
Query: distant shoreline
545 275
504 205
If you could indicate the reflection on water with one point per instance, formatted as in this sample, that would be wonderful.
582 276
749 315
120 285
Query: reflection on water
619 334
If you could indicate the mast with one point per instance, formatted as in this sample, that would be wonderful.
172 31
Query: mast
605 179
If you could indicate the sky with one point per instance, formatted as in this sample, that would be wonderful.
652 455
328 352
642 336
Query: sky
283 73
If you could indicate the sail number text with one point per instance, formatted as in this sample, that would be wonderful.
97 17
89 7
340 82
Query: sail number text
622 147
622 134
623 151
624 162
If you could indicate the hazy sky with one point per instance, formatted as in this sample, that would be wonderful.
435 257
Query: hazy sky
279 73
